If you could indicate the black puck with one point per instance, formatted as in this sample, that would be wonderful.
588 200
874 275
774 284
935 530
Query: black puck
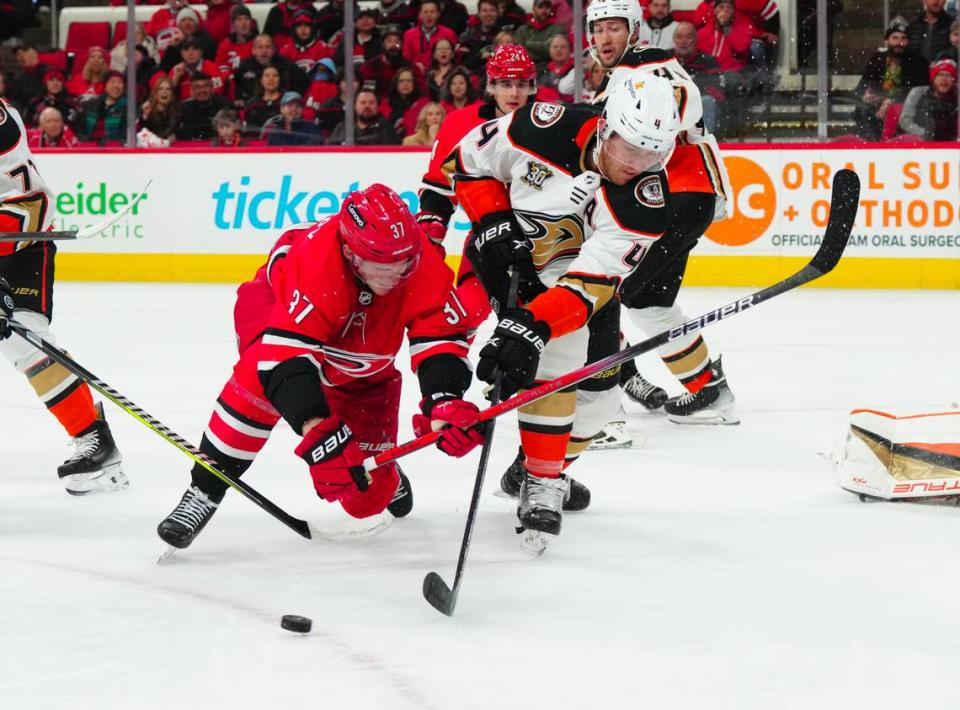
300 624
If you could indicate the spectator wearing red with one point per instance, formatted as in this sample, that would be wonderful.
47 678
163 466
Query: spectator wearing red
418 41
535 34
398 13
477 42
281 18
380 70
440 67
305 49
92 77
458 91
401 106
192 62
560 64
727 37
52 131
239 43
367 42
188 22
163 23
930 112
511 14
703 69
55 96
322 89
160 113
217 23
265 104
28 81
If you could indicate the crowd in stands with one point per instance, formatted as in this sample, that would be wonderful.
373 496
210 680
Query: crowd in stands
908 90
215 77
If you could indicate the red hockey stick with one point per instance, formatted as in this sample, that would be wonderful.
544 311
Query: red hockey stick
843 210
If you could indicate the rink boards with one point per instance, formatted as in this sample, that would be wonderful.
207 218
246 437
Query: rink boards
210 216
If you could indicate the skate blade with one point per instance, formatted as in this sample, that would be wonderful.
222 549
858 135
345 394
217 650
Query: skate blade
534 542
109 478
365 528
708 419
637 442
167 555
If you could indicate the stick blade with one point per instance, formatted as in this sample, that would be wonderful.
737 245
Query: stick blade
440 596
844 202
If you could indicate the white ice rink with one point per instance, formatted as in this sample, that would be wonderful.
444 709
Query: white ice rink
716 568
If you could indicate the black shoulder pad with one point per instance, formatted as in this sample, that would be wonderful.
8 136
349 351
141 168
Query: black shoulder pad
550 131
641 204
9 130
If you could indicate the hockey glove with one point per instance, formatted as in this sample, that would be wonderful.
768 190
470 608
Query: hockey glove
457 421
514 349
334 458
434 226
502 243
6 309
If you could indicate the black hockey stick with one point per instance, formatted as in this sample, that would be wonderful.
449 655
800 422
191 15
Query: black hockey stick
301 527
37 237
844 202
435 590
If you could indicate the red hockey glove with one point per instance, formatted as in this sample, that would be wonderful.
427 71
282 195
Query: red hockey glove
457 421
333 457
434 226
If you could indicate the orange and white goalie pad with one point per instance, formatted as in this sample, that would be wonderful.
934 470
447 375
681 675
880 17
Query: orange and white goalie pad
900 457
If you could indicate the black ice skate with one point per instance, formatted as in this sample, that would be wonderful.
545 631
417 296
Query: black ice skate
645 393
541 502
577 496
713 404
402 502
186 521
96 466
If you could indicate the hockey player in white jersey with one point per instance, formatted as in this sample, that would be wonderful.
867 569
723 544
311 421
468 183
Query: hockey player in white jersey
700 187
26 297
574 200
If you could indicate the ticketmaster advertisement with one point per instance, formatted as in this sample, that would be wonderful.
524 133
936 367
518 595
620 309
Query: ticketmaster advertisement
209 216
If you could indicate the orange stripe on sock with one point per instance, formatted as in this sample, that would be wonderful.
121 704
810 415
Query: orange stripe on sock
76 411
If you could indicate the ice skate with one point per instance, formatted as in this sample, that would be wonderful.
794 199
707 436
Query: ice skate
186 521
614 435
402 502
713 404
96 465
645 393
577 497
541 502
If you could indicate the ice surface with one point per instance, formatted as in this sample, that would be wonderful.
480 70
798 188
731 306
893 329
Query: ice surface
716 568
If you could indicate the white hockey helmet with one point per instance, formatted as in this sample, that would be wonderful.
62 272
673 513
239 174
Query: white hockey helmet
628 10
641 108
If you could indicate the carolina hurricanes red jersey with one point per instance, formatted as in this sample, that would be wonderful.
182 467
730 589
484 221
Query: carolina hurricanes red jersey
454 128
26 203
230 53
324 314
306 57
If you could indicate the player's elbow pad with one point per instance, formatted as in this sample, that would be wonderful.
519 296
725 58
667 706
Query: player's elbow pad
295 390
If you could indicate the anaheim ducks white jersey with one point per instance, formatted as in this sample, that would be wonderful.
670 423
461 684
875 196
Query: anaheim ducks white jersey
26 203
587 233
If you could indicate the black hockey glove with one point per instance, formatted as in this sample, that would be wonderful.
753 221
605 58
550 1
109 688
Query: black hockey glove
514 349
6 309
502 243
497 283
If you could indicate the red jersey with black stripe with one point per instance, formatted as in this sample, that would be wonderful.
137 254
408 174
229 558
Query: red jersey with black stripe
326 316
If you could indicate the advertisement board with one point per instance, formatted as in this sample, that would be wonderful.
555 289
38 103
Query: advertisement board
211 216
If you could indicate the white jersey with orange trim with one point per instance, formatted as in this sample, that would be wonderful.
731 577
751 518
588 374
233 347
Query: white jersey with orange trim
26 203
587 233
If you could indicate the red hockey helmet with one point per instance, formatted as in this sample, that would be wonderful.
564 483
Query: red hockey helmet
510 61
377 228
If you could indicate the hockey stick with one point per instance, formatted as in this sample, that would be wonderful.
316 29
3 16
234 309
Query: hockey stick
85 233
843 210
39 237
301 527
435 590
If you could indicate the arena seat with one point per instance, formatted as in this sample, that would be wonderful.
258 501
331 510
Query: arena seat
82 35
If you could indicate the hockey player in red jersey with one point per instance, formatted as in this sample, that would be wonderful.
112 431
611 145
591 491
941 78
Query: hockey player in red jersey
26 296
318 329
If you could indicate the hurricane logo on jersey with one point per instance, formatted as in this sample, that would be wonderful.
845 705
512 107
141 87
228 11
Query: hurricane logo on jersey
649 191
544 115
536 174
554 237
355 364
